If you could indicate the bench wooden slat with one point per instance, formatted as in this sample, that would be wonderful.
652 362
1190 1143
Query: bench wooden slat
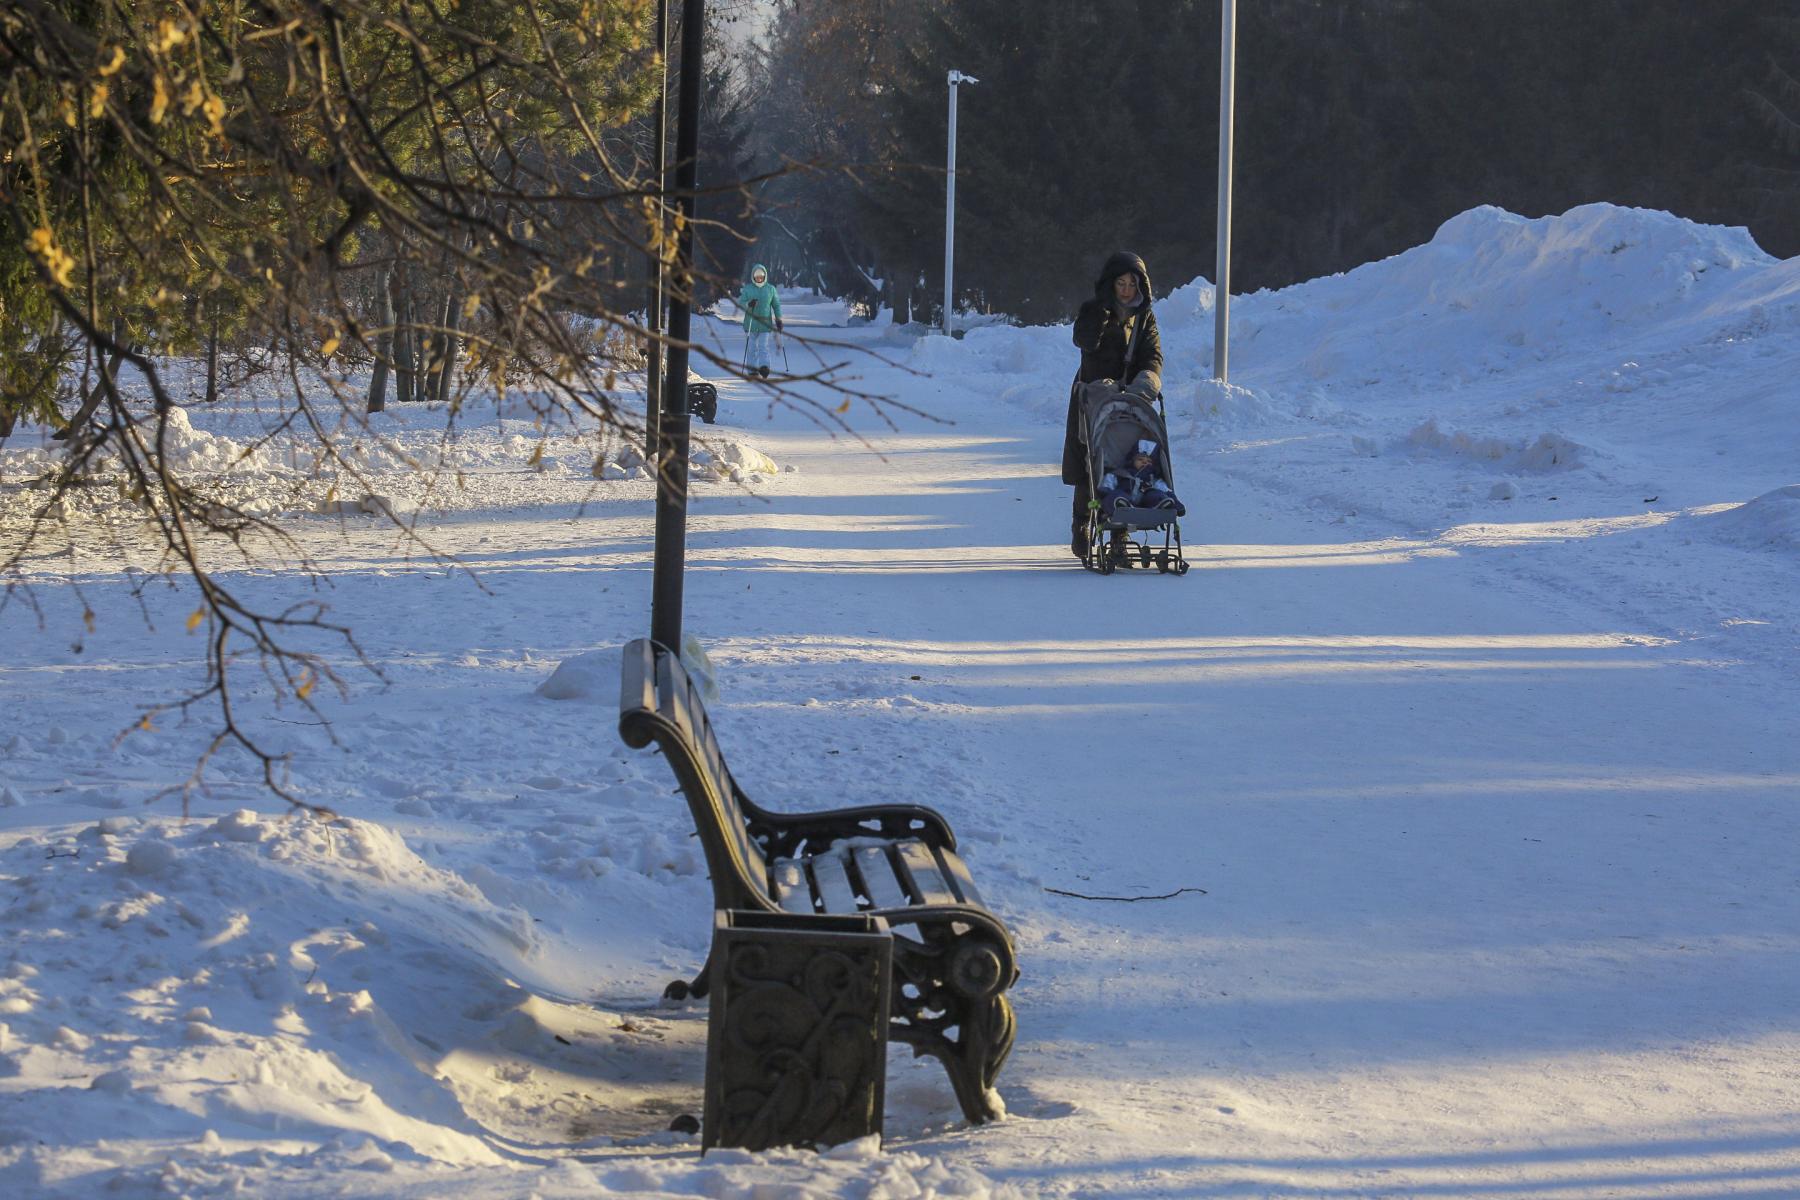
878 877
791 889
637 682
834 883
672 696
680 705
715 761
928 883
960 877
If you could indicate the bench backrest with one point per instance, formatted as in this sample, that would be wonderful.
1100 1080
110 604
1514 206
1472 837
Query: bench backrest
658 701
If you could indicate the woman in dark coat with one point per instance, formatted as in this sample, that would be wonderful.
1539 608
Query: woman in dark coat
1116 333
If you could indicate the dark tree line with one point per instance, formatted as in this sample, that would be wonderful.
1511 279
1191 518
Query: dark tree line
1362 125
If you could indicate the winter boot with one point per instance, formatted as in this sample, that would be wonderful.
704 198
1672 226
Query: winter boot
1078 540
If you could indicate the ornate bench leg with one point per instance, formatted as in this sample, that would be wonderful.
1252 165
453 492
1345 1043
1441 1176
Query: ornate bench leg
684 989
982 1045
927 1004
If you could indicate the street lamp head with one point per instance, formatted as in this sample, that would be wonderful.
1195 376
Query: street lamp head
957 77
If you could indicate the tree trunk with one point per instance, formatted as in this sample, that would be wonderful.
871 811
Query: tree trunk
447 361
91 401
384 342
431 347
903 284
404 387
163 402
212 359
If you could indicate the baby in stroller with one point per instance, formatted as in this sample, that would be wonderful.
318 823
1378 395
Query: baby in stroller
1128 471
1136 483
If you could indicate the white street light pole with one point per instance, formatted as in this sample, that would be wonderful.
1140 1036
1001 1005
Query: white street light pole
956 77
1222 264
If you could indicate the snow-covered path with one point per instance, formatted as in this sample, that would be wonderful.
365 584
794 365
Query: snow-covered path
1499 888
1474 722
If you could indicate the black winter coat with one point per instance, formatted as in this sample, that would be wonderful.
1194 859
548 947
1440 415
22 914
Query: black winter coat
1103 339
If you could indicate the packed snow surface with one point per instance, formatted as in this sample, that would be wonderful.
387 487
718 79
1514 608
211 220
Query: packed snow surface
1473 726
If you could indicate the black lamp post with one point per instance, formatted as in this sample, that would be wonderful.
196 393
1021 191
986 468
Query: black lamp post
671 443
653 308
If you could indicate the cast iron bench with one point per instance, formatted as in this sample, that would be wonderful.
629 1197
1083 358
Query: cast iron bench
953 959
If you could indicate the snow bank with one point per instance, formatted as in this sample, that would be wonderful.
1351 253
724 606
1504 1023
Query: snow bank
590 676
235 455
1770 521
164 976
1489 292
715 460
1545 454
257 478
253 997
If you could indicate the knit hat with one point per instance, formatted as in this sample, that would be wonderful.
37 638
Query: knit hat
1147 447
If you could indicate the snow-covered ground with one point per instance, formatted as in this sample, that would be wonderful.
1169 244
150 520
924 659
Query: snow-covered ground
1475 723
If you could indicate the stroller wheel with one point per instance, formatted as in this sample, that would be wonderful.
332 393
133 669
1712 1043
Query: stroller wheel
1143 555
1106 564
1162 562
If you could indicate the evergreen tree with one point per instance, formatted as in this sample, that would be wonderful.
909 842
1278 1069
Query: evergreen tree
1361 126
834 75
1774 102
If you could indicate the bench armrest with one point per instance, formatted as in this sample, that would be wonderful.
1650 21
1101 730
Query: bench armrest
789 835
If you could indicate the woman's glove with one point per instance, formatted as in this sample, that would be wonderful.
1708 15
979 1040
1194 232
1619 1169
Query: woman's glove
778 325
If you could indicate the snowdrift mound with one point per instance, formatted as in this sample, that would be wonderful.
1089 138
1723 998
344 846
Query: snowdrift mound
1546 454
243 976
590 676
255 999
710 460
1490 292
257 478
1769 522
1027 366
719 459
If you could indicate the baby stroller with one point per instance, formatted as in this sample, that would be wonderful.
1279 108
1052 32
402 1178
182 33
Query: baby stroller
1113 422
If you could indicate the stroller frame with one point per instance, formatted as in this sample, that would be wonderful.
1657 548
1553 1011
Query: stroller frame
1110 544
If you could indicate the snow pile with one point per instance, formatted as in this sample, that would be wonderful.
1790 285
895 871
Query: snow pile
1491 291
252 997
590 676
218 977
720 459
1491 294
1770 521
1029 367
240 455
1547 453
1207 404
256 478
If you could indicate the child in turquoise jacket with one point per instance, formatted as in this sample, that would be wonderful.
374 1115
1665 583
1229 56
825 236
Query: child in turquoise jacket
762 317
